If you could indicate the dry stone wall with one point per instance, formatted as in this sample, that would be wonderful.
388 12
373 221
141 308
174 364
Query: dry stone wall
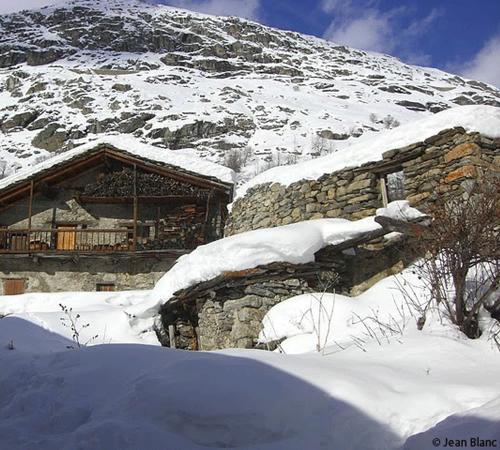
443 164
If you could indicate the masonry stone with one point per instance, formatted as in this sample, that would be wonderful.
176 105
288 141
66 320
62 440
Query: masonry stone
431 168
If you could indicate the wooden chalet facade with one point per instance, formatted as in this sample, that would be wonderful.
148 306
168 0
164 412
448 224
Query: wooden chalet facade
103 219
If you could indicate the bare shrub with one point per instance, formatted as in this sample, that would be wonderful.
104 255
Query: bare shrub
237 158
321 146
3 167
461 255
390 122
233 160
72 321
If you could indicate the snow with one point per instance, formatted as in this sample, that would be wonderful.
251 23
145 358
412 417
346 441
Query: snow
133 146
391 392
341 90
324 320
398 394
104 312
370 147
400 210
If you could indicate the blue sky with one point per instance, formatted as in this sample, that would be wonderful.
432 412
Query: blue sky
461 36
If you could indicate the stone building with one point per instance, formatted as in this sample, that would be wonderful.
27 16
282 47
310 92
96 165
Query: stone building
441 165
227 311
105 216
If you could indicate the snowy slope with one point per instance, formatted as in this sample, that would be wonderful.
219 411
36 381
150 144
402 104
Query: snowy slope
199 83
137 396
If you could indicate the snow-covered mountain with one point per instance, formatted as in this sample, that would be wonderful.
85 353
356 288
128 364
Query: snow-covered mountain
199 84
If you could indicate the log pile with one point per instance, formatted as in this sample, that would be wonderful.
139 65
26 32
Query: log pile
121 184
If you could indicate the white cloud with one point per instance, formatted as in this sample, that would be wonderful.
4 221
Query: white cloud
485 66
361 24
10 6
372 32
241 8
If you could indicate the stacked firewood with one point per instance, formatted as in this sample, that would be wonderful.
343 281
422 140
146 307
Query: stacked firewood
121 184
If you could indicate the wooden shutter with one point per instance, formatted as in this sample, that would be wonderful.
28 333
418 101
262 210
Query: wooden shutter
13 286
105 287
66 237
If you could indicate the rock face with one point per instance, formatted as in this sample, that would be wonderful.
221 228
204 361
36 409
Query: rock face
441 165
205 84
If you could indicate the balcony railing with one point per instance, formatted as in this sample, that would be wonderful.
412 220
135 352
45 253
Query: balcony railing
66 239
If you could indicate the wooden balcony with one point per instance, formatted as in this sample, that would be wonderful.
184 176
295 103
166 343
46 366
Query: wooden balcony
69 239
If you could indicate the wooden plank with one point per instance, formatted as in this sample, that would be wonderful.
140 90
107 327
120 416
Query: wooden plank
171 336
30 205
105 287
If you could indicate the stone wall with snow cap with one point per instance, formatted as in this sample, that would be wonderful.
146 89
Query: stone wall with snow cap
441 165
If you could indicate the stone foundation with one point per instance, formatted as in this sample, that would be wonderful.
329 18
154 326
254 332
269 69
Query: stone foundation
83 274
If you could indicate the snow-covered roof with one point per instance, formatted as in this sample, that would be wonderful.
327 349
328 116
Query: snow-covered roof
129 145
482 119
295 243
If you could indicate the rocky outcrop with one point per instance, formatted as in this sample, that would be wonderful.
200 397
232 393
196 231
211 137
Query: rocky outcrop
188 81
51 138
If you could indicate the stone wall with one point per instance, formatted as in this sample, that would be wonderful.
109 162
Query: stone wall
227 312
441 165
236 321
42 274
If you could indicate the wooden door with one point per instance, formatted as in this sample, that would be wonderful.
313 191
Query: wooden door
66 237
13 286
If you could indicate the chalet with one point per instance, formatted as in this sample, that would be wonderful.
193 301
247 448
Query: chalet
114 214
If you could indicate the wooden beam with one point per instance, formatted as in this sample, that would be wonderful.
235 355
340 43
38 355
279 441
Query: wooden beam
143 199
134 244
400 226
53 174
30 210
171 336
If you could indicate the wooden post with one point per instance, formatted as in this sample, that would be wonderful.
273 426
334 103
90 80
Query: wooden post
134 244
206 230
383 190
171 336
30 211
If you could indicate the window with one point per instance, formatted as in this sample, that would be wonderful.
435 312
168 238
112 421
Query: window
14 286
392 187
105 287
